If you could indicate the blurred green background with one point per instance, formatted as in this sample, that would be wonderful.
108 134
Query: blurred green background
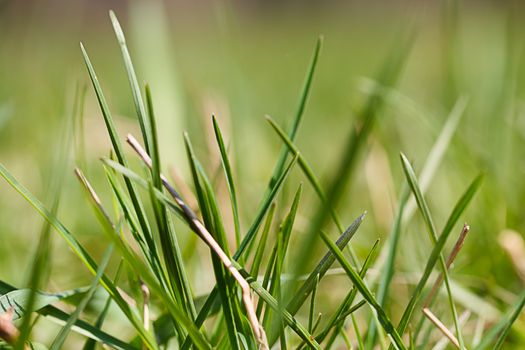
242 60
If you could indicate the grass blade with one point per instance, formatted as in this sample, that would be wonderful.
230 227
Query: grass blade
307 170
283 238
229 180
119 152
349 299
212 221
411 178
263 241
168 238
365 292
279 166
322 267
144 122
458 210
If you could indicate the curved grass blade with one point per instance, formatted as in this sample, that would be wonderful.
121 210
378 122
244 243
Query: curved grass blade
62 335
119 153
229 180
307 170
458 210
366 293
145 125
279 166
425 211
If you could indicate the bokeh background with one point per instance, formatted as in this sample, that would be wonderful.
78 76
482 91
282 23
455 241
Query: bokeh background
242 60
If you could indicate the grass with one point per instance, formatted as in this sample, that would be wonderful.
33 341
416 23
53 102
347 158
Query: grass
273 271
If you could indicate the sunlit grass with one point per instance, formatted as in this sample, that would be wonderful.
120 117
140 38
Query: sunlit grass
270 281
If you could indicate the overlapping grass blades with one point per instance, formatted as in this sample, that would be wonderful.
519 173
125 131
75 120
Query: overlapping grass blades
436 251
142 270
162 269
365 292
425 211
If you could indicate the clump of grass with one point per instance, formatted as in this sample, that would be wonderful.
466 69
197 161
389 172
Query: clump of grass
244 311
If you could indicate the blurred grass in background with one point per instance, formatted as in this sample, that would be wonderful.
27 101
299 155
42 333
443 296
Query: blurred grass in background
244 60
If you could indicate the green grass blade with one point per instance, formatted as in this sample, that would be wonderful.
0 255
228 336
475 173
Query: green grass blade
311 311
16 299
119 152
267 276
130 174
263 209
279 166
263 241
306 168
168 239
213 223
366 293
134 226
145 126
322 267
229 180
458 210
283 238
349 299
388 268
425 211
271 302
59 340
